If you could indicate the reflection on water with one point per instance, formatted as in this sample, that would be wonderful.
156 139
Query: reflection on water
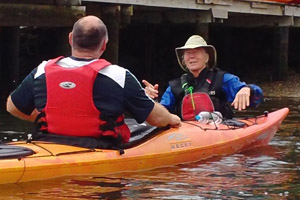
269 172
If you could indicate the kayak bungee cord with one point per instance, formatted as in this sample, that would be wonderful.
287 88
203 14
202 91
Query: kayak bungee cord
231 124
43 148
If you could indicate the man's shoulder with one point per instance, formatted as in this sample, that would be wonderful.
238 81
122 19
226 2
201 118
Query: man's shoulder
115 69
40 69
217 70
116 73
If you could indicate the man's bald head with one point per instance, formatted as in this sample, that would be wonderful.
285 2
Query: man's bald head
89 33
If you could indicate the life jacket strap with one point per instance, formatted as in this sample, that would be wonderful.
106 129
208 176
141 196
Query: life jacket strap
39 123
110 126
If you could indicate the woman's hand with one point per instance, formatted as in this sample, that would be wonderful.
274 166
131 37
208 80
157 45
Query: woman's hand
151 90
242 99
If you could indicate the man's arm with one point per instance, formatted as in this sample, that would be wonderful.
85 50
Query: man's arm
12 109
160 116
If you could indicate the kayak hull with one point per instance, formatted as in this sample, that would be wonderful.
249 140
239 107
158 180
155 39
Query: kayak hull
189 143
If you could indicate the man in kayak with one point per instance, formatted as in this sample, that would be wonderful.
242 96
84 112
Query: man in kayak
204 87
85 96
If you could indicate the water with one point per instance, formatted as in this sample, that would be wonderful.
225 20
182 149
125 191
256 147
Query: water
269 172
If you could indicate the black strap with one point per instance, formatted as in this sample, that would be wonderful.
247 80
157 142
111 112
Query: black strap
37 127
39 124
110 126
207 82
39 116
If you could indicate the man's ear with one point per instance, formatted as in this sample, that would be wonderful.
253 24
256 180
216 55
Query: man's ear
103 47
71 38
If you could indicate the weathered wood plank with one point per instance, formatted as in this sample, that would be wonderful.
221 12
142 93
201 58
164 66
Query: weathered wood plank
219 13
43 2
292 11
297 22
216 2
260 5
258 20
241 6
38 15
158 15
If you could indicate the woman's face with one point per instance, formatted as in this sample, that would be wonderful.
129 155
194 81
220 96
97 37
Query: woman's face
195 60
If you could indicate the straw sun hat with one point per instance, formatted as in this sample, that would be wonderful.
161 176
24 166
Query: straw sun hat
196 41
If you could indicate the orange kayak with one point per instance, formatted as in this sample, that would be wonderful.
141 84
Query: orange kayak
191 142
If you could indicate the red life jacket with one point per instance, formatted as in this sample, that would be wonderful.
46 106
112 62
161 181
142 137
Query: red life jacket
70 109
194 103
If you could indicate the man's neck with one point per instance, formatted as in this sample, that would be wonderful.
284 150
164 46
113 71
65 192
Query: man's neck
197 73
81 59
84 55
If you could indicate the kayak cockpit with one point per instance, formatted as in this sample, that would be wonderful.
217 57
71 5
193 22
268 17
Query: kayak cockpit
10 151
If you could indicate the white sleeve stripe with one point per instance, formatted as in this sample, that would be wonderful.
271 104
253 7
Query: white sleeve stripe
116 73
40 69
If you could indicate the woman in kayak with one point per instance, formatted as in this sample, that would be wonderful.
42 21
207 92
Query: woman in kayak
204 87
85 96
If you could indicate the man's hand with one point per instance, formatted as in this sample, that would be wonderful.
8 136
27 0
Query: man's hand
242 99
151 90
161 117
175 121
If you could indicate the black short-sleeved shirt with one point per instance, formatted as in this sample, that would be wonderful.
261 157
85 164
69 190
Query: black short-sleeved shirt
115 91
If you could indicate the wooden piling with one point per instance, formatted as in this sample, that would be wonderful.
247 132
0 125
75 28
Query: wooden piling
280 54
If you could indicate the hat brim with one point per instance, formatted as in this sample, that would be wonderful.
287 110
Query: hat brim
209 49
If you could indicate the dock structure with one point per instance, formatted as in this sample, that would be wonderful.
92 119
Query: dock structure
15 14
233 12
